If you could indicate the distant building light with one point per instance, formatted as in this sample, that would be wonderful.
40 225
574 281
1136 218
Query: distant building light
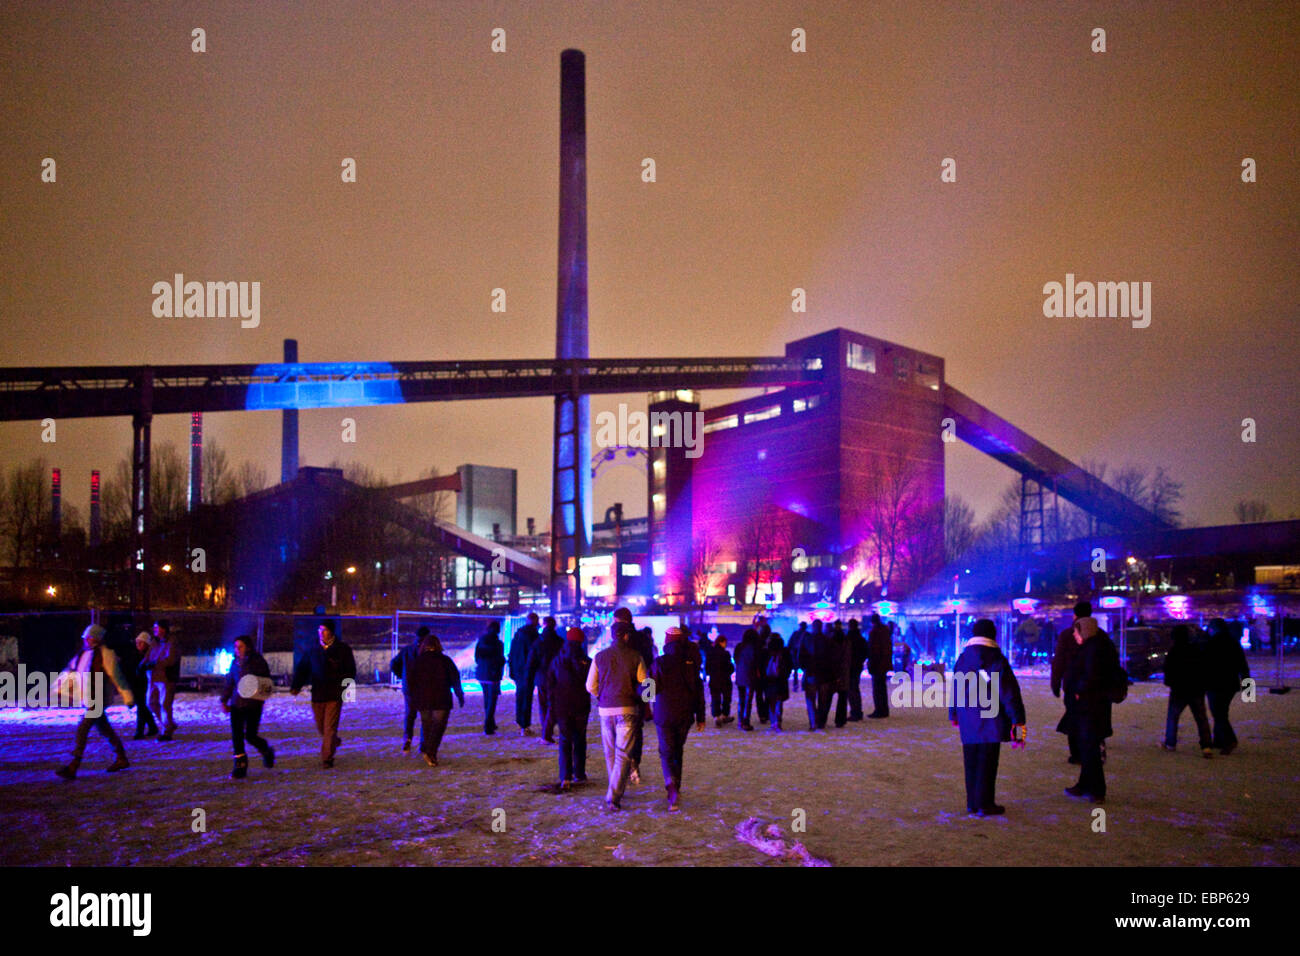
631 570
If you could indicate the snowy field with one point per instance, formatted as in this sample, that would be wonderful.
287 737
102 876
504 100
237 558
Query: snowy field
874 793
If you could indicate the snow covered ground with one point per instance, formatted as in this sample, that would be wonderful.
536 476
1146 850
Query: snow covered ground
874 793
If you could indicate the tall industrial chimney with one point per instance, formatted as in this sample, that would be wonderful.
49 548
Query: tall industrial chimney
289 424
96 529
196 461
571 488
56 505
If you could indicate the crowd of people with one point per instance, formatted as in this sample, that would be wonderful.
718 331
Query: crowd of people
630 682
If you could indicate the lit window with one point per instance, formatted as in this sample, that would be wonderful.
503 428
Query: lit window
862 357
803 404
927 375
901 370
763 414
731 421
631 570
659 567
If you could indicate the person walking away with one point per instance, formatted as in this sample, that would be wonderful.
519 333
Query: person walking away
988 710
1093 683
859 651
570 707
844 657
489 668
678 702
137 672
400 665
719 667
434 678
326 667
164 673
816 691
796 645
85 680
1066 648
543 652
1185 678
776 681
614 681
521 648
643 642
880 653
760 669
247 685
748 677
1226 668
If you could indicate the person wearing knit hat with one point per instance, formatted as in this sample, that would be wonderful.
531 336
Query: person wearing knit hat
85 677
566 679
986 706
678 696
138 674
1066 649
1090 684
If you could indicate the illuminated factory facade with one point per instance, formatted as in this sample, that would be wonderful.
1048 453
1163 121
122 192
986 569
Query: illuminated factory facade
780 503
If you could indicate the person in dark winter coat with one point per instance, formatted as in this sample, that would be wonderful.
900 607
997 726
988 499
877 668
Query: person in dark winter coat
400 665
844 659
748 676
880 658
719 667
434 678
135 665
539 665
643 642
247 680
816 657
796 646
1185 678
678 702
521 649
1088 684
1066 648
329 667
987 708
760 661
859 651
566 687
489 668
776 681
1226 668
614 680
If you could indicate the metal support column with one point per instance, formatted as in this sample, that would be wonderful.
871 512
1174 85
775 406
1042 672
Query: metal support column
141 511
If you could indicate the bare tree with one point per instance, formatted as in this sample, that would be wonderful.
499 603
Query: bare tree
26 514
249 479
1249 510
887 505
1163 496
219 485
958 528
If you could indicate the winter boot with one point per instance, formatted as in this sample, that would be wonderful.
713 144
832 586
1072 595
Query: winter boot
240 770
119 763
268 756
69 772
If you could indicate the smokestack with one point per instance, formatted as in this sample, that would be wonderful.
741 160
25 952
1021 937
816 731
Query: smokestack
96 531
289 424
571 491
196 461
56 505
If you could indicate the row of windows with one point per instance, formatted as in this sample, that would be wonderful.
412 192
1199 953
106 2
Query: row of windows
762 414
862 358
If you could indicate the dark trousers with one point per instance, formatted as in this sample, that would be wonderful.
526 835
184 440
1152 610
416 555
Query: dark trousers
841 707
433 724
776 712
880 694
102 724
572 733
720 692
744 701
760 704
817 697
981 774
1176 704
855 696
638 742
1092 779
544 712
244 722
672 745
408 718
1220 701
143 716
491 693
524 703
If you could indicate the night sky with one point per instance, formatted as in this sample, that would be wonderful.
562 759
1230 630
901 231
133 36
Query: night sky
775 169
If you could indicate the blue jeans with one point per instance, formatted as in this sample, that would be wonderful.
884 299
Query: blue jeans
616 734
491 692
